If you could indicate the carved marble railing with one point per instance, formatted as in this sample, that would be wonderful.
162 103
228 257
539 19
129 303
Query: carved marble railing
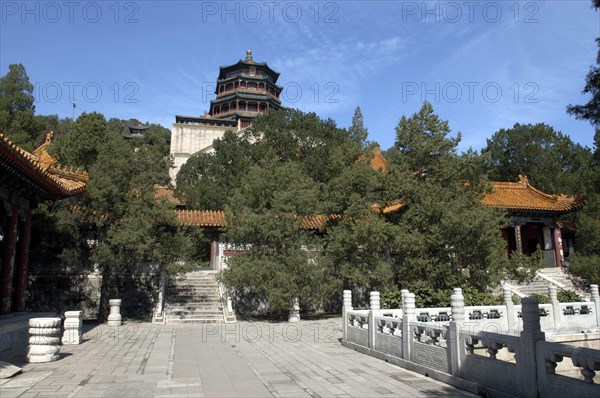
551 384
388 337
480 362
356 327
429 346
468 352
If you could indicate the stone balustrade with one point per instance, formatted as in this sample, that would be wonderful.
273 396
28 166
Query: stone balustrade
470 349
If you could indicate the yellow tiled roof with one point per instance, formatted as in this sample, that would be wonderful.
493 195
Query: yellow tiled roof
216 218
202 218
44 169
522 196
167 193
378 162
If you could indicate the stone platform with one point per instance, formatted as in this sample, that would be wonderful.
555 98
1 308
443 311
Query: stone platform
245 359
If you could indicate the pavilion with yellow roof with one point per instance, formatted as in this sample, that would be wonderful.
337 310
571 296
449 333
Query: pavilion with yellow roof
534 217
25 179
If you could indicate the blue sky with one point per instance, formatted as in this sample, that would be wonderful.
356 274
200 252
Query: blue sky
484 65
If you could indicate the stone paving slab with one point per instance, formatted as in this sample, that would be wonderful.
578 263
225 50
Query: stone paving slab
218 360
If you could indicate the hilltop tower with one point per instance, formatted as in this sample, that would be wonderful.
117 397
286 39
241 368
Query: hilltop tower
243 91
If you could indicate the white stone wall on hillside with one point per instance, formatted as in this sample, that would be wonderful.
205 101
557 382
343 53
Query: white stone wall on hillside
188 139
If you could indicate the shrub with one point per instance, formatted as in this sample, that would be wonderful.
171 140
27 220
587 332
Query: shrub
569 296
585 267
428 297
475 297
542 298
391 299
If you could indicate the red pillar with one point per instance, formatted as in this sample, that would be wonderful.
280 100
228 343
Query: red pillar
23 264
558 247
8 261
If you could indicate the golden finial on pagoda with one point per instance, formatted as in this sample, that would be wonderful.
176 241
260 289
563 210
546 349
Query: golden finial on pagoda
249 56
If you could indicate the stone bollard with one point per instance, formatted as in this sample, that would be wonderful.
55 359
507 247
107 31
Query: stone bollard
408 315
347 306
44 340
510 308
373 311
72 326
114 318
552 294
596 300
294 315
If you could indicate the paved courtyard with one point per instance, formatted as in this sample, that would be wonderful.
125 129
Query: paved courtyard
217 360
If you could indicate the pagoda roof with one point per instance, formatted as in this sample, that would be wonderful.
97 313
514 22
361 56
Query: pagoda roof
522 197
245 64
258 78
233 95
39 170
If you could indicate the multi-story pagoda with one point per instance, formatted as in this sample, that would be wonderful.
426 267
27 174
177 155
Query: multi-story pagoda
243 91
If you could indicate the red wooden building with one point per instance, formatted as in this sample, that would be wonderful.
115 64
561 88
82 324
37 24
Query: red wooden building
535 219
25 179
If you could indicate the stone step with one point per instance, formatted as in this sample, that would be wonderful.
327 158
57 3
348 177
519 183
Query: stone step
198 303
195 301
192 321
194 288
191 317
194 283
208 315
194 309
192 296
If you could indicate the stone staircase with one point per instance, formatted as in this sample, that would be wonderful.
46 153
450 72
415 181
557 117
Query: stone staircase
545 277
193 298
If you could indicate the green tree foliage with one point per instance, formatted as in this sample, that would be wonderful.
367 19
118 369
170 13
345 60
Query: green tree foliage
587 257
423 143
80 145
287 166
205 181
358 132
134 229
444 236
551 161
284 261
17 108
591 110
